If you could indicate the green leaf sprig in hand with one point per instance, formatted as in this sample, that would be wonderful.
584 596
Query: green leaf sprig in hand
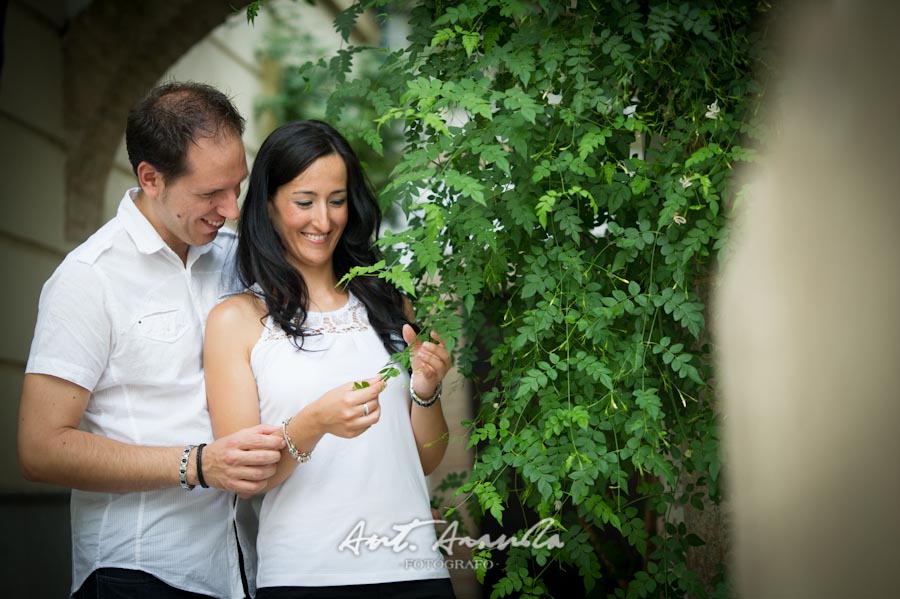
431 357
390 370
386 373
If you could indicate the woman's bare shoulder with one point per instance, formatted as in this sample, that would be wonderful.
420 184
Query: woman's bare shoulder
239 313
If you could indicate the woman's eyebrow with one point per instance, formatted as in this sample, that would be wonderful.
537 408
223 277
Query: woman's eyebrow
312 193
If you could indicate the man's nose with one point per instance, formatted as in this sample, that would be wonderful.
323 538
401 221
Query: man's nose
229 205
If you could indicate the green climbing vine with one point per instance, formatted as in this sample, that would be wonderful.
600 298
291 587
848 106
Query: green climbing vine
565 167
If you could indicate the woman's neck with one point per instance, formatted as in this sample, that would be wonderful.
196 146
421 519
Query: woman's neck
324 294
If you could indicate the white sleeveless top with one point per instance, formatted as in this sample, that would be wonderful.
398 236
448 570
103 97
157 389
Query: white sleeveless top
340 518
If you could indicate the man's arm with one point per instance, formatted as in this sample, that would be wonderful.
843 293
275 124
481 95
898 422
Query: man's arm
52 449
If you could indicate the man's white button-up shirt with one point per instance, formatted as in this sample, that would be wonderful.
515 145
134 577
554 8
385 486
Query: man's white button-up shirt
123 317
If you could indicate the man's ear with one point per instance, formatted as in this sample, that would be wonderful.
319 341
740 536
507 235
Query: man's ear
151 180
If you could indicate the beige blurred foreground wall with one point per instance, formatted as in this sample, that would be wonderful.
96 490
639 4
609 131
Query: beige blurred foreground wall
808 324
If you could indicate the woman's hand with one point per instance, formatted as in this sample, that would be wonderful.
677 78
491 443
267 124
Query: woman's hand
346 411
430 362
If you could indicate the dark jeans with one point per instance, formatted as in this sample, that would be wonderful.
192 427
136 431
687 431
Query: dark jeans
118 583
412 589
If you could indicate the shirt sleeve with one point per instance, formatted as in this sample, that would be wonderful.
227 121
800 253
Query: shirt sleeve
73 334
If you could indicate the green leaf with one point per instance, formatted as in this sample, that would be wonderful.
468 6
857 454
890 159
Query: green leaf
359 271
521 64
518 101
345 21
253 10
544 206
541 171
434 120
470 42
372 138
694 541
465 185
616 196
443 36
593 139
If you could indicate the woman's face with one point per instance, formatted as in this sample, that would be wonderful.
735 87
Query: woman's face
310 213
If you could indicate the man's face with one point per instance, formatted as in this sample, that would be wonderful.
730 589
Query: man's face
190 209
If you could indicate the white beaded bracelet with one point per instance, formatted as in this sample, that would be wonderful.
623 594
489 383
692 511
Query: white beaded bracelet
300 456
182 470
425 403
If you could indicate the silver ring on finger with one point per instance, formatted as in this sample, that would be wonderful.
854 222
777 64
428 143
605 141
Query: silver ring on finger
365 409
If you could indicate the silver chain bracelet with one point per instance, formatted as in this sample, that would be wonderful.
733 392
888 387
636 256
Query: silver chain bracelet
300 456
182 470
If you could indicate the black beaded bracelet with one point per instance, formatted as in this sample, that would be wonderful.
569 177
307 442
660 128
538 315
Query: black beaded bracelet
200 466
425 403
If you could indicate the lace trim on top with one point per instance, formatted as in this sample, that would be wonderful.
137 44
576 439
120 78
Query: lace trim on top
350 317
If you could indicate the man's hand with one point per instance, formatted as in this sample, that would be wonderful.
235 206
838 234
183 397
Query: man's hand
243 461
52 449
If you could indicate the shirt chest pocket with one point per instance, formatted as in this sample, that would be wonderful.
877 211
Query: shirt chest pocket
159 346
162 325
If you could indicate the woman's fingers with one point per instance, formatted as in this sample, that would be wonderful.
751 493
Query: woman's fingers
409 334
429 364
373 414
350 409
367 414
432 358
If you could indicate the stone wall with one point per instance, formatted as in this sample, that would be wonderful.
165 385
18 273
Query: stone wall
71 71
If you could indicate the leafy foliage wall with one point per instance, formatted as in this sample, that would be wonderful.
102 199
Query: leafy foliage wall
565 167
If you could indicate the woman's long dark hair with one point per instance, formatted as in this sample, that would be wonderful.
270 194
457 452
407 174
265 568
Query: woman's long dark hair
287 152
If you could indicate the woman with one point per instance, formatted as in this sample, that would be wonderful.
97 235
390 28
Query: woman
347 512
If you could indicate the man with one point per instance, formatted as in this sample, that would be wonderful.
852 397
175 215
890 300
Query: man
114 398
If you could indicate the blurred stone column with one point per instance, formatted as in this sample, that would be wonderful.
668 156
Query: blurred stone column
808 327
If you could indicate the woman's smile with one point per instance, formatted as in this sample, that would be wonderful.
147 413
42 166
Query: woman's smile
316 238
310 213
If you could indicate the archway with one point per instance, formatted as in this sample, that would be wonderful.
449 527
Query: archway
113 52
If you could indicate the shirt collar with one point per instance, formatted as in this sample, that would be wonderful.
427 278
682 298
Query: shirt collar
145 237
